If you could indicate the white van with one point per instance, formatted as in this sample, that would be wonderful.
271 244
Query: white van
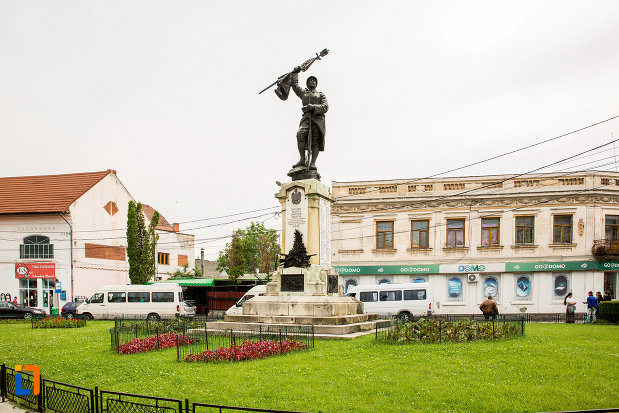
403 300
153 301
237 309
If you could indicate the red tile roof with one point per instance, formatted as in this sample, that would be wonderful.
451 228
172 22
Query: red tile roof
163 223
45 193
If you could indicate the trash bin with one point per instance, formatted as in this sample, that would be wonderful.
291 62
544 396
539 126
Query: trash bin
54 311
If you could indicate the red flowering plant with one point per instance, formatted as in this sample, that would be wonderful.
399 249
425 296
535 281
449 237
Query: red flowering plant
56 322
164 340
248 350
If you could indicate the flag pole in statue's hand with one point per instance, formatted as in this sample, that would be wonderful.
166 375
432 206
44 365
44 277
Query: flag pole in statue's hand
306 65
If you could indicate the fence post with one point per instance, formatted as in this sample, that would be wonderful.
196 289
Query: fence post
522 327
206 335
260 331
233 339
312 335
40 395
186 405
493 334
440 331
157 335
280 342
2 382
178 349
96 399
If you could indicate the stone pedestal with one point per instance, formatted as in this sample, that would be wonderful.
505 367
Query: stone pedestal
309 295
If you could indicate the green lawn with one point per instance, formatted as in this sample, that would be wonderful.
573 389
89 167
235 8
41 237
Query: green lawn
554 367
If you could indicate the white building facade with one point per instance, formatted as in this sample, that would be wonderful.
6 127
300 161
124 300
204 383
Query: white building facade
64 236
526 240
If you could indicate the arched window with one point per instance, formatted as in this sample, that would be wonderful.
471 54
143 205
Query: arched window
36 246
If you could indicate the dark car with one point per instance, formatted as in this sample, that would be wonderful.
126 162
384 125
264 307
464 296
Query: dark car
68 310
10 310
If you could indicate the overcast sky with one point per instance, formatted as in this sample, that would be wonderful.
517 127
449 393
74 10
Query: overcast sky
166 92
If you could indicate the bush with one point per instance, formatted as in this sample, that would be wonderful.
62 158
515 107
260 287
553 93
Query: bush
57 322
431 331
609 311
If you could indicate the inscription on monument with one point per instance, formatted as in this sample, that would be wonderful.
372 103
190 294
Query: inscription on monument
296 216
292 283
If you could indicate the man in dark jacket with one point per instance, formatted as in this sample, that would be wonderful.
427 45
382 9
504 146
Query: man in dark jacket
489 308
314 107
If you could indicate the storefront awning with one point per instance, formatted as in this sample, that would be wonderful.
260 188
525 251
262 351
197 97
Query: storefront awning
191 282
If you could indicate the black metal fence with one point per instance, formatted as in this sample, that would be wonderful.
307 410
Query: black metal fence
54 396
435 330
199 340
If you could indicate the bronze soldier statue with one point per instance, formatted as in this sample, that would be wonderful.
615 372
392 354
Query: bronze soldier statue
314 107
311 133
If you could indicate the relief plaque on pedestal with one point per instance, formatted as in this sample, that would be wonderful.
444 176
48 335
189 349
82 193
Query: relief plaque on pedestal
292 283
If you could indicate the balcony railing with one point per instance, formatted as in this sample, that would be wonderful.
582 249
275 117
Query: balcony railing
605 249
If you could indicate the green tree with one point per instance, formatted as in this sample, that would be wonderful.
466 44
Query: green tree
141 244
250 248
185 272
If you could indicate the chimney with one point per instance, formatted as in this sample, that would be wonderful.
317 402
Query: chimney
176 226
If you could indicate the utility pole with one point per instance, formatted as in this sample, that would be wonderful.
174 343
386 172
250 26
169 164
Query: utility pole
202 262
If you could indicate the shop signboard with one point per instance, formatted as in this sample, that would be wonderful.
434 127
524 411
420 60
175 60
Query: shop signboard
387 269
35 270
551 266
608 266
492 267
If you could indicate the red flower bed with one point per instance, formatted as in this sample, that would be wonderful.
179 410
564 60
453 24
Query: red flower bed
138 345
248 350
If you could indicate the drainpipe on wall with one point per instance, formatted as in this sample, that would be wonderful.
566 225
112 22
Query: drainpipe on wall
71 252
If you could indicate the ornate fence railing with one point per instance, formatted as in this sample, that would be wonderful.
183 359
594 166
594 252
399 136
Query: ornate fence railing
54 396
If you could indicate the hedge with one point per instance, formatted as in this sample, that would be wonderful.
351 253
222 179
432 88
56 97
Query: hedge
609 310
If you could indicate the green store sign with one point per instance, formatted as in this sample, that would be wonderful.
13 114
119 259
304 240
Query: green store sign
387 269
551 266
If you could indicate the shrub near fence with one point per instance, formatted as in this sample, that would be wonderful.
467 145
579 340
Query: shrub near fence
609 311
432 330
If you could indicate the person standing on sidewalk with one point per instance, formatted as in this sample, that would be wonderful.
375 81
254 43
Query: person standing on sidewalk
592 305
489 308
570 308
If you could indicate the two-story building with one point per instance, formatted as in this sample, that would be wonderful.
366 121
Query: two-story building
71 229
526 240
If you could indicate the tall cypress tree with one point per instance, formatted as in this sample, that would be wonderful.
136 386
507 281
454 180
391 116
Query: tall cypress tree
141 244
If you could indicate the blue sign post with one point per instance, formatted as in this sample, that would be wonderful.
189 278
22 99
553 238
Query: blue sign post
58 287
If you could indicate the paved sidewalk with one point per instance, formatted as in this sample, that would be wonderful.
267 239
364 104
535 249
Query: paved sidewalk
8 407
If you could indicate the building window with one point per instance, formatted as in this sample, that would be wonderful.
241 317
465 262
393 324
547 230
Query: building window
491 287
454 289
611 231
455 233
561 286
418 279
524 230
28 295
562 229
523 287
163 258
36 247
490 232
384 234
383 280
419 233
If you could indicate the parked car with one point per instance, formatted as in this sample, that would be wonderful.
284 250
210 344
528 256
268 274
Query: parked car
190 309
68 310
10 310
